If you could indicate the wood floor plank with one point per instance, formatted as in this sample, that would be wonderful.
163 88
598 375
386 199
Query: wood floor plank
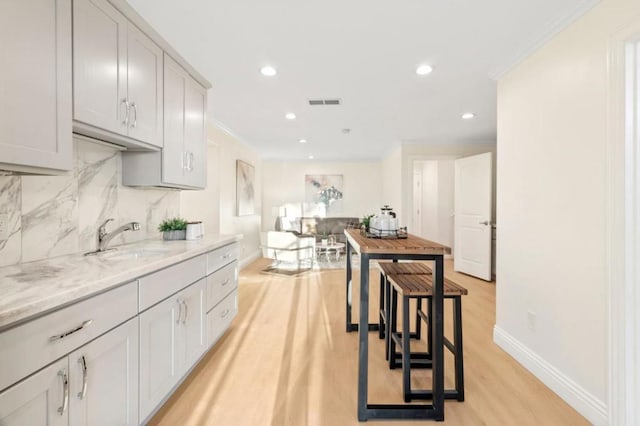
287 360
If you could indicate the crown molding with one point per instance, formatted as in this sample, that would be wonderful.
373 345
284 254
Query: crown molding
550 30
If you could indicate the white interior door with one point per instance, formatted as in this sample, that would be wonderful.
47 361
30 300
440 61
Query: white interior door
417 199
472 207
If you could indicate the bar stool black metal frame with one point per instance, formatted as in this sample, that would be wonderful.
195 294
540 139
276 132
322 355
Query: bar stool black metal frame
423 288
396 268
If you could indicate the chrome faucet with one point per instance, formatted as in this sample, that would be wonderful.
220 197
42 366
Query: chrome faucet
103 237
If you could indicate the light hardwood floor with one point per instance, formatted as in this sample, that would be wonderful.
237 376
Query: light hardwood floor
287 360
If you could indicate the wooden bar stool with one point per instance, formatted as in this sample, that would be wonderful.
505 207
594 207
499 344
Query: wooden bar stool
396 268
414 286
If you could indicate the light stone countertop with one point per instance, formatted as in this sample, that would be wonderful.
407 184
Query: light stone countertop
30 289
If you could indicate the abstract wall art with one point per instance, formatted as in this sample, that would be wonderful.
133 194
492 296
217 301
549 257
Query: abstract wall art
323 195
245 189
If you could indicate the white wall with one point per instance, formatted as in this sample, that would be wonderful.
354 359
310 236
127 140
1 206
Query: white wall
392 173
552 134
230 149
283 182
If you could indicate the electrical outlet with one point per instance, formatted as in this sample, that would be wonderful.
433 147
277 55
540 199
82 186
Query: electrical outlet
4 226
531 320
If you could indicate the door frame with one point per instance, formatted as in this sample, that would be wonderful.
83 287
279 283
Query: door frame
409 176
623 227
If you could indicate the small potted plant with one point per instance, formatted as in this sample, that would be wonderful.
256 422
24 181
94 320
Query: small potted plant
366 221
173 229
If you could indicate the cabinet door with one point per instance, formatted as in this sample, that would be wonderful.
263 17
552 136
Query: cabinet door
193 337
104 379
173 154
99 65
35 83
159 370
144 82
39 400
195 103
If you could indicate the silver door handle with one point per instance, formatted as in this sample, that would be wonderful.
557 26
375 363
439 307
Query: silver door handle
135 114
67 333
485 223
186 312
225 282
83 364
180 311
124 101
65 391
224 313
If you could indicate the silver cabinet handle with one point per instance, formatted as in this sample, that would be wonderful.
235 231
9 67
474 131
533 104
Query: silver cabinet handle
65 391
67 333
83 364
226 256
485 223
179 311
191 161
186 312
125 120
135 114
224 313
225 282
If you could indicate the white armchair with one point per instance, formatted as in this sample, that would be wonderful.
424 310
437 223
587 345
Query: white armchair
288 248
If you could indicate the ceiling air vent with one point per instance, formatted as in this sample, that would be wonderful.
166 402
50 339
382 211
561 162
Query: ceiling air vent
314 102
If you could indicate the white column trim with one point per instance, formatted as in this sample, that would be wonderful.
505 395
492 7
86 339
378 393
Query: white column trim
623 227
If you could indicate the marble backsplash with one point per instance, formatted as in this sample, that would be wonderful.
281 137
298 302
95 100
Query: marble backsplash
51 216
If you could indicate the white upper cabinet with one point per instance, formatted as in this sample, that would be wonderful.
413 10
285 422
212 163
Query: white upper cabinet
35 86
183 161
117 77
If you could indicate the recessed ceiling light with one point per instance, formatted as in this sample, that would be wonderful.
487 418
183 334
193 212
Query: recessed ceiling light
302 141
468 115
311 157
424 69
268 71
290 116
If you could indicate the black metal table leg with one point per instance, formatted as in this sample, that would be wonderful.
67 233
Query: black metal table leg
438 333
363 335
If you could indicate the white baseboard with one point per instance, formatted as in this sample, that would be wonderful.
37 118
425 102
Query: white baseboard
248 259
579 398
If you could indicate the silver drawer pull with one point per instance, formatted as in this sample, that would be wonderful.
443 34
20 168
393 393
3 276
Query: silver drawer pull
186 312
65 391
179 311
68 333
226 256
224 313
83 364
225 282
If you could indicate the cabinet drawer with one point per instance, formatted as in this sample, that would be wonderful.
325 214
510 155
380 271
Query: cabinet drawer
162 284
222 256
33 345
221 283
220 317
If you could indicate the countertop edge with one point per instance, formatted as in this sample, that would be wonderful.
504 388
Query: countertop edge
18 314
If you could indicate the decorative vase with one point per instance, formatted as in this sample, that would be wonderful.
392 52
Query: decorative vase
174 235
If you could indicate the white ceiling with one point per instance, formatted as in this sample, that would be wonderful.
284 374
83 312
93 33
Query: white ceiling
364 52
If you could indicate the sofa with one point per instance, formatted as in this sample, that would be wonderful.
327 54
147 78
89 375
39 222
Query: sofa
318 227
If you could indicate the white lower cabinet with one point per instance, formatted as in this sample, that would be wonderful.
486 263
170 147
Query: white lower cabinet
220 317
95 385
103 377
38 400
172 338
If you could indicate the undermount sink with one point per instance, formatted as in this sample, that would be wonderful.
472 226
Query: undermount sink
134 253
